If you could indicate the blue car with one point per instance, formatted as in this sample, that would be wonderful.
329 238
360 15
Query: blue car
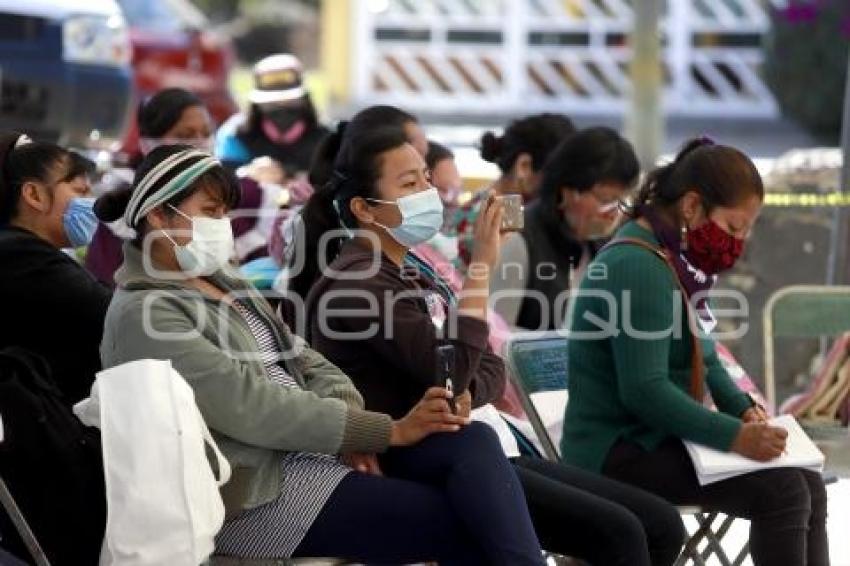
65 71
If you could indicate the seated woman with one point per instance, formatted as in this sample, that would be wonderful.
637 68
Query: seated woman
280 122
171 116
54 307
637 384
520 153
380 313
291 424
578 204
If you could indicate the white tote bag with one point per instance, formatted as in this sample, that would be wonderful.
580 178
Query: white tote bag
162 497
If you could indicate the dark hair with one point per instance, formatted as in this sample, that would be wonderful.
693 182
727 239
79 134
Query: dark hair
111 206
436 153
380 117
535 135
43 162
252 126
722 175
383 115
347 164
158 113
586 158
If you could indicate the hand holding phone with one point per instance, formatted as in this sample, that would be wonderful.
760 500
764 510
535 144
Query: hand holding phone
445 372
513 219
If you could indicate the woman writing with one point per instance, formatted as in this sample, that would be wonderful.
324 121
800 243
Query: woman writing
636 385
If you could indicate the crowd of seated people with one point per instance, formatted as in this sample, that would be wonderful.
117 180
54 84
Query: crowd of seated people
382 440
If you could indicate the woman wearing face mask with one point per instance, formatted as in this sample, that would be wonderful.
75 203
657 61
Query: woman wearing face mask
171 116
635 396
582 184
520 152
380 313
291 424
281 122
373 116
54 307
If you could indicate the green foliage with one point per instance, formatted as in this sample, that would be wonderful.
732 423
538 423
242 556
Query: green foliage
806 63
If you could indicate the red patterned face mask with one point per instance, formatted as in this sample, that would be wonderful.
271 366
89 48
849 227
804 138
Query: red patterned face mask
711 249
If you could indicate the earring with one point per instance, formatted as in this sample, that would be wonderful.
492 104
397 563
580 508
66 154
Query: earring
684 242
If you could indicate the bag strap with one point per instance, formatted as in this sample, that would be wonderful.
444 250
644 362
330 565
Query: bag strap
221 462
697 387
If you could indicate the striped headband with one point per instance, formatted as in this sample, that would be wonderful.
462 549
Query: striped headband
181 169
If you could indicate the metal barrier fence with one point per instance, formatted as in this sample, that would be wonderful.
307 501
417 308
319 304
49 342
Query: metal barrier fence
506 56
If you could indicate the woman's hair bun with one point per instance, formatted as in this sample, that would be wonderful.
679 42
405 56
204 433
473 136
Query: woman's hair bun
111 206
491 147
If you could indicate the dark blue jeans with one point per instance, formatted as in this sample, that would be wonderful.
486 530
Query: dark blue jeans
453 498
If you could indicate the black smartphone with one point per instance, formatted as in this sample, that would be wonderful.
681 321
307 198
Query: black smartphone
446 370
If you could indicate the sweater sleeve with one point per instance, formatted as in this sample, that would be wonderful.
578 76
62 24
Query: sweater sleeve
488 385
643 290
234 398
324 378
726 395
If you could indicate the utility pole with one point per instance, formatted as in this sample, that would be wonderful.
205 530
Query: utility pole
839 271
644 122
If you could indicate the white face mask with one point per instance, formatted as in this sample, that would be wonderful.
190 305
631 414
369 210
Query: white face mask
421 217
210 249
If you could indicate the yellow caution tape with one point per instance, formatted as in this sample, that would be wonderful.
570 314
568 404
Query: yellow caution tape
807 199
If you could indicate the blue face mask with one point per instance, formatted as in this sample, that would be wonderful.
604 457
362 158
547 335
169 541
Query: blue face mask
79 221
421 217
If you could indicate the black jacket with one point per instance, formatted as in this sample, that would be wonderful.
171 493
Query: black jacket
394 360
295 157
53 307
550 241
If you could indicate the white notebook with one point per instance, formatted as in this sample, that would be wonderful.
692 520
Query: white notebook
800 452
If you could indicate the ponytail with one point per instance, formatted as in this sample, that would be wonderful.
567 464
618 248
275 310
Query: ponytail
722 175
111 206
346 165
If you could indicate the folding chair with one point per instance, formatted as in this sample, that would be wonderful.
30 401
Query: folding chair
801 311
227 561
538 363
14 513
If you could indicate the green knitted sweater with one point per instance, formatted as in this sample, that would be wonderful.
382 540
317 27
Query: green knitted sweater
627 383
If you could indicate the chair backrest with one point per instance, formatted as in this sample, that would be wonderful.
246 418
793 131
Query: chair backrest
802 311
538 363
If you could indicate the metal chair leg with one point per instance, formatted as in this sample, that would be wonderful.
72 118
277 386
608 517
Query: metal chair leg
691 553
21 525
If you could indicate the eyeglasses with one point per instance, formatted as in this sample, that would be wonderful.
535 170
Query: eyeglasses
607 206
